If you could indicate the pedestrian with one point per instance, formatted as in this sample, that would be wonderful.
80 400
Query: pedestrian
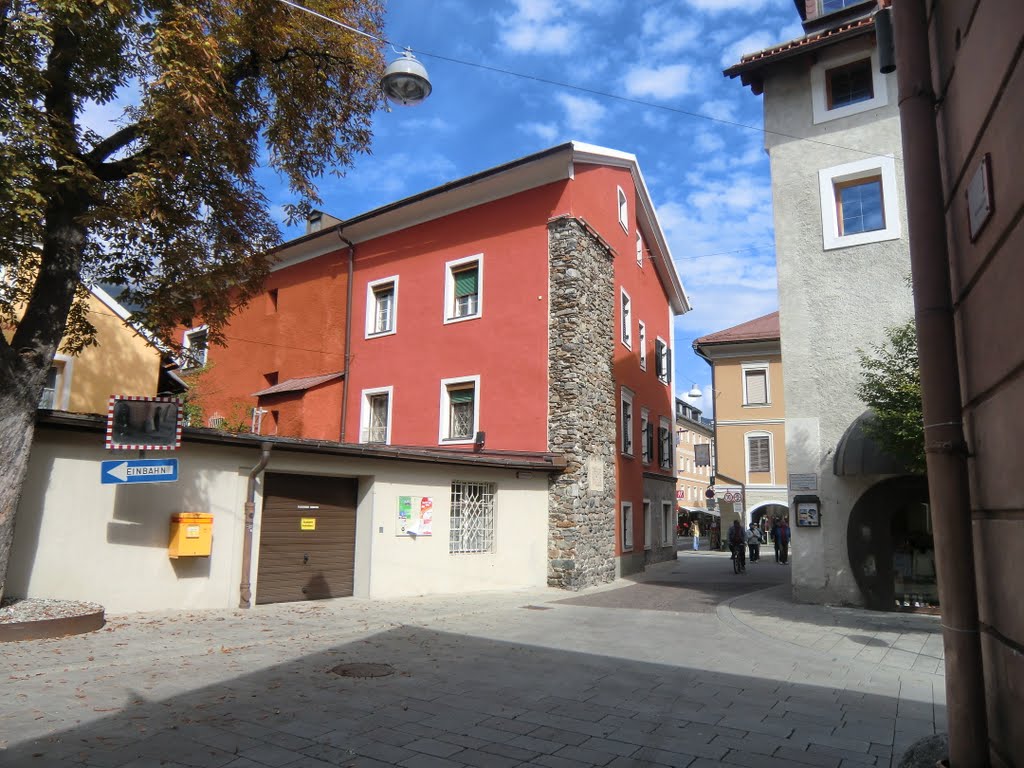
737 542
754 542
783 541
696 536
775 537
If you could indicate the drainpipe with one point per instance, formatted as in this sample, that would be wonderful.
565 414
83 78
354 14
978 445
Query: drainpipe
945 447
245 587
348 331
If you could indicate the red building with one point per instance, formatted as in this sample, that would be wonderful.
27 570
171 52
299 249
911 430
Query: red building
528 307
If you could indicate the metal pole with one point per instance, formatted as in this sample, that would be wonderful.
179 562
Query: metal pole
945 446
245 587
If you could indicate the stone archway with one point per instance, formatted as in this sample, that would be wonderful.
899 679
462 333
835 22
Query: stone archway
769 509
878 535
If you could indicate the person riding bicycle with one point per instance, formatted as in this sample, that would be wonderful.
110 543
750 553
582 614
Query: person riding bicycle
738 544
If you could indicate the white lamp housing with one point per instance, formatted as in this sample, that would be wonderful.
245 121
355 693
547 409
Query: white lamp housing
405 81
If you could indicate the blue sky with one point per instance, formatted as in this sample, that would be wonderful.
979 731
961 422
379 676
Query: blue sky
709 181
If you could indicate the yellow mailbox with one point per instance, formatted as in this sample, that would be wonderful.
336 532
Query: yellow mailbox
191 534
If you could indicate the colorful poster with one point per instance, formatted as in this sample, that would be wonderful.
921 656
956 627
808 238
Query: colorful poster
415 516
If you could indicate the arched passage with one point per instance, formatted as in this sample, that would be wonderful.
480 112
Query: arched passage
890 546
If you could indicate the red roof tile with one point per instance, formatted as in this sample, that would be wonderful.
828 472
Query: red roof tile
800 45
299 384
760 329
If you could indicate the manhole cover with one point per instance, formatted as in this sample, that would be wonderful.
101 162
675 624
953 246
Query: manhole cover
361 669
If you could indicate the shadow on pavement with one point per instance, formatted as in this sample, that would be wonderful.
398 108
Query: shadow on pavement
475 701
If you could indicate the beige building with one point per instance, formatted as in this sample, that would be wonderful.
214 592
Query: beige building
122 362
693 467
750 420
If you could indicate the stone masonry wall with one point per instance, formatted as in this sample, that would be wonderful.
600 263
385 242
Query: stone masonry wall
581 397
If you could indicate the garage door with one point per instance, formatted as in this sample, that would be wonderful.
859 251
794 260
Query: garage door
307 538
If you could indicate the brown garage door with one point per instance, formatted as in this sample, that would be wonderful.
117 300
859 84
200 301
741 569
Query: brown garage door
307 538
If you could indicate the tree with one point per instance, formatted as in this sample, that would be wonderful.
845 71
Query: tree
165 205
891 387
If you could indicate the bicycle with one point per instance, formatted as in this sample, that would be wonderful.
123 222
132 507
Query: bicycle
739 564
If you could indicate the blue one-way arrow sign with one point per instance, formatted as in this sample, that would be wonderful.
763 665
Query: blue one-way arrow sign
139 471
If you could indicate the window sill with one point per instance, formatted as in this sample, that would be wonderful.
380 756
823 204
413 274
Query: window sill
757 405
627 455
450 320
456 441
370 335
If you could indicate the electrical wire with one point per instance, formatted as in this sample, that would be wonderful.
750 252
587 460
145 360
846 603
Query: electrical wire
594 91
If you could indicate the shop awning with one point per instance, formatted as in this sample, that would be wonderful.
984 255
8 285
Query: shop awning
701 510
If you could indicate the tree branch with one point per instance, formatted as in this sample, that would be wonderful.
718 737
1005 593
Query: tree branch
114 142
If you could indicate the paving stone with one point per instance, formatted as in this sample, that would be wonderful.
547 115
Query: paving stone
588 756
429 761
433 747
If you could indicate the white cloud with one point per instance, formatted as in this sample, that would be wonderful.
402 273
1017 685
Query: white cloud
719 6
709 142
547 132
755 41
397 174
668 82
419 125
539 26
667 31
720 109
583 116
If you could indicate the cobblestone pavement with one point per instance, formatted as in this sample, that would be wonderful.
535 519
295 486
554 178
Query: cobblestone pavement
678 667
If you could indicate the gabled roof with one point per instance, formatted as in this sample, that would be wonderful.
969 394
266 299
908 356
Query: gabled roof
760 329
550 165
299 384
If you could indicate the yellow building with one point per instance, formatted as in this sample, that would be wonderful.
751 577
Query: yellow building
122 362
750 420
694 446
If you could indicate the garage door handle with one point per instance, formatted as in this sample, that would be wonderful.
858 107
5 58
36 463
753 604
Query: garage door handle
305 559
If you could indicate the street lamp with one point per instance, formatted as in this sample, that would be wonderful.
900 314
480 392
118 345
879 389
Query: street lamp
694 392
405 81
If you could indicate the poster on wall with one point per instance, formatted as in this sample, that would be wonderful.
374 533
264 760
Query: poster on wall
415 516
807 515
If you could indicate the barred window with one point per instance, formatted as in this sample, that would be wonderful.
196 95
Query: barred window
472 518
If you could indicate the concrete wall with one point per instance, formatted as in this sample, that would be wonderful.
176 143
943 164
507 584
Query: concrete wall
977 69
78 539
831 303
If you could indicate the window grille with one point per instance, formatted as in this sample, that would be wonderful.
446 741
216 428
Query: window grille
472 518
462 411
378 429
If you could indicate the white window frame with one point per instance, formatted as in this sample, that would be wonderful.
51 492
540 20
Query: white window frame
648 525
819 87
623 208
62 384
626 511
665 451
485 518
641 339
662 362
444 420
371 306
626 431
450 268
626 318
751 367
771 454
828 178
639 249
188 362
668 523
365 413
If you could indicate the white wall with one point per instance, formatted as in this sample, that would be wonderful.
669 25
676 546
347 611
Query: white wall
77 539
831 303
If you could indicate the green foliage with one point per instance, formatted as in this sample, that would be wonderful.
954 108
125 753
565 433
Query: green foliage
891 387
166 204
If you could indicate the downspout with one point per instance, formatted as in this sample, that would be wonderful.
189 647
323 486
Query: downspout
945 447
348 331
245 587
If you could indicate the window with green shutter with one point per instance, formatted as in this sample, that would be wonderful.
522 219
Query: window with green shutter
466 290
461 411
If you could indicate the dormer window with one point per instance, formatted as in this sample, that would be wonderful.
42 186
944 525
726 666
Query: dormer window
849 84
830 6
